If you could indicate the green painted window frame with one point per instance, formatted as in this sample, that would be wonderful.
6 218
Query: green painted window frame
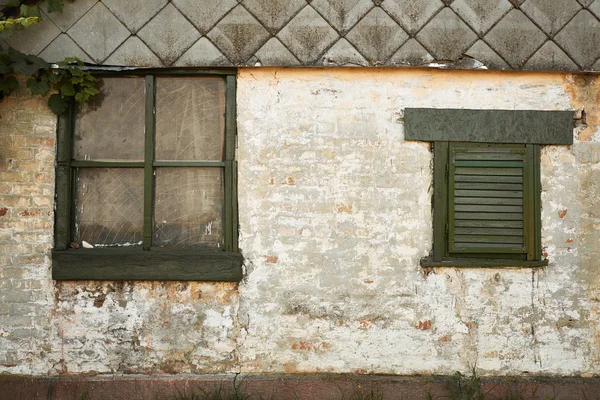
442 187
146 262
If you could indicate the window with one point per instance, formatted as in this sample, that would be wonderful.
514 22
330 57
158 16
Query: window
486 200
486 204
146 180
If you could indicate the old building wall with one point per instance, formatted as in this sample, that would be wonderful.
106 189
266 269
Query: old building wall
335 212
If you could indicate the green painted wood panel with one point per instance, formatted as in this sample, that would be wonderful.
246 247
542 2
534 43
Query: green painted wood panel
488 126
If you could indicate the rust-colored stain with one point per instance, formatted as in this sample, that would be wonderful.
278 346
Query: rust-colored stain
28 213
584 94
368 281
344 208
424 325
446 338
361 371
3 211
569 241
99 301
272 181
271 259
289 181
562 213
364 324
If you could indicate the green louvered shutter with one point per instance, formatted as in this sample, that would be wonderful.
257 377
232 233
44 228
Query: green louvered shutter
490 200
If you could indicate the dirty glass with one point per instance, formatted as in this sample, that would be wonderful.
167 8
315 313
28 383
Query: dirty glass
109 206
188 207
190 119
111 125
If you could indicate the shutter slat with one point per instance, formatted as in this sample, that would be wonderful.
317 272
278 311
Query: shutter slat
488 186
488 208
488 193
489 164
488 247
490 216
488 224
509 201
489 171
488 239
483 178
488 156
488 231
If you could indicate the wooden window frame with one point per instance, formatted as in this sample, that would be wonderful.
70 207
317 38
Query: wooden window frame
532 217
146 262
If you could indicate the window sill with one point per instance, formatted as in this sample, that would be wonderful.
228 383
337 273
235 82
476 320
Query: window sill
475 263
135 264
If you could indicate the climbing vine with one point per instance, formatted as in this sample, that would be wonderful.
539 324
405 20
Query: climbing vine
67 78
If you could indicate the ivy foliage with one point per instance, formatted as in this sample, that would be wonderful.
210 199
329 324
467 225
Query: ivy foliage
67 78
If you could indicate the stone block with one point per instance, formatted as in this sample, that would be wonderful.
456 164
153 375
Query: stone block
581 39
446 37
134 14
342 14
274 14
133 52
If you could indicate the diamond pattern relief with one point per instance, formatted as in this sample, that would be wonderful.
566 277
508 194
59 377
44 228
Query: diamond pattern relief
481 15
581 39
411 14
98 32
550 55
274 14
411 53
72 11
238 35
500 34
515 38
274 53
133 14
307 35
36 37
551 15
206 16
169 34
446 36
342 14
377 36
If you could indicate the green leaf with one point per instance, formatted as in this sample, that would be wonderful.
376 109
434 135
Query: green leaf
27 64
40 87
8 85
81 97
27 12
55 5
57 104
67 89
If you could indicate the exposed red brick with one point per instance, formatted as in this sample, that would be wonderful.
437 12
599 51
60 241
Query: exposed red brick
424 325
562 213
344 208
271 259
3 211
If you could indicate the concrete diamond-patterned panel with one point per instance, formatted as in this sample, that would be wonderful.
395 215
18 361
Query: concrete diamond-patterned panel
343 54
134 53
446 36
596 66
238 35
411 14
135 14
308 35
274 53
595 8
481 15
551 16
98 32
411 53
169 34
550 57
377 36
206 16
202 53
585 3
515 38
274 14
488 57
581 39
342 14
36 37
61 47
72 11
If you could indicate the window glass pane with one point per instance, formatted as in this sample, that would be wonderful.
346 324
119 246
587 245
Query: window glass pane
109 208
190 119
188 207
111 126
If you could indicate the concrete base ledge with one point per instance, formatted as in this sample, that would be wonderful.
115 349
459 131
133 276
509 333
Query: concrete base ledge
316 386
